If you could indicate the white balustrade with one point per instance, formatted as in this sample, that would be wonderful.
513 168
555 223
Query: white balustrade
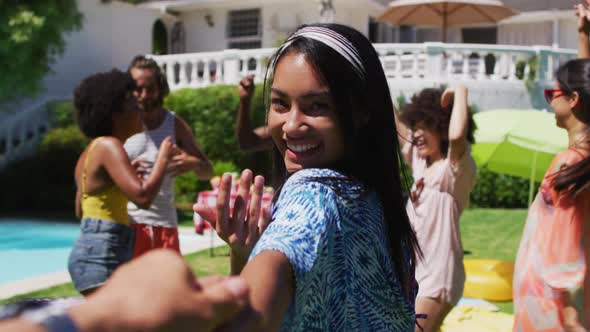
434 62
21 132
210 68
429 61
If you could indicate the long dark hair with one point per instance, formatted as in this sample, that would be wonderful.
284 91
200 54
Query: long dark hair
425 108
574 76
365 112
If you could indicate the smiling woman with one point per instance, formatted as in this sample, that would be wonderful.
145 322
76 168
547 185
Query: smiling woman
340 236
302 119
437 137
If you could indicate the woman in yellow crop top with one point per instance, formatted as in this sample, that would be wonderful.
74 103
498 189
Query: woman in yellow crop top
107 113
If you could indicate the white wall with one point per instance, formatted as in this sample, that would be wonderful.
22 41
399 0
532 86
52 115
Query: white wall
526 34
110 36
278 21
568 36
199 36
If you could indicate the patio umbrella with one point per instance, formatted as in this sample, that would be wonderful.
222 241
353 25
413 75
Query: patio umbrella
521 143
445 13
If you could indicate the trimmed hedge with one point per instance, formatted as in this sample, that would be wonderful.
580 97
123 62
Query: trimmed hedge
212 114
46 182
187 186
494 190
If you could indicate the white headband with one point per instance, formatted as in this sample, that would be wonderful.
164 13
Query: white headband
330 38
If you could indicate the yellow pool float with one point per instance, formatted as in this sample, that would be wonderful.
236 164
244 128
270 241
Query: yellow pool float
488 279
468 319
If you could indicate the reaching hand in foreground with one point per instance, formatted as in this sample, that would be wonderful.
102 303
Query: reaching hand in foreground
158 292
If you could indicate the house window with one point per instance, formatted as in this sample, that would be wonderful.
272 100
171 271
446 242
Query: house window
244 29
177 40
407 34
159 38
480 35
381 33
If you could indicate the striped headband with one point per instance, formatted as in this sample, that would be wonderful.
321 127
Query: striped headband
330 38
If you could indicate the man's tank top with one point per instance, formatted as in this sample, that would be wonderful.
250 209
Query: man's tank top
145 146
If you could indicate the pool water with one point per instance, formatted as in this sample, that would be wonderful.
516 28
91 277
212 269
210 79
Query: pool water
30 248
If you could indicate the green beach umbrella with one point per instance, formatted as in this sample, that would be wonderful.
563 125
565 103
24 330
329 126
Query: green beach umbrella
521 143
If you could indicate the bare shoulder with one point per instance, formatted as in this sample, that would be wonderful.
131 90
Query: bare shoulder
184 133
180 123
108 142
109 146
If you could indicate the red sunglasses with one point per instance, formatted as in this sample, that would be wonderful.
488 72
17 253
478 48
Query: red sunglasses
551 94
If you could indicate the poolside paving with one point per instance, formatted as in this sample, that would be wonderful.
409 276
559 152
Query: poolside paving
197 243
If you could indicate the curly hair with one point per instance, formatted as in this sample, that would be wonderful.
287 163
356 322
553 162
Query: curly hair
425 109
97 97
141 62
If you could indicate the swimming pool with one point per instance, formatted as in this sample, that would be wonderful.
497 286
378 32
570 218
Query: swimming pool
30 248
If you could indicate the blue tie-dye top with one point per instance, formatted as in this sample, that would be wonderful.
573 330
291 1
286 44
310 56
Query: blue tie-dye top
334 237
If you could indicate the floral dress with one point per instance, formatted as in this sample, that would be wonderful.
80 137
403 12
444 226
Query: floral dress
332 232
550 260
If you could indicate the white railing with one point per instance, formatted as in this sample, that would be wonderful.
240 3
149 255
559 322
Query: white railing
434 63
427 61
21 132
196 70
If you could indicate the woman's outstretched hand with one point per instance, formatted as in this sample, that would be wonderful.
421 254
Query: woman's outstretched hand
242 227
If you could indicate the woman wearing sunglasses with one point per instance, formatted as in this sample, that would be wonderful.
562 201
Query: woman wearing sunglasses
551 283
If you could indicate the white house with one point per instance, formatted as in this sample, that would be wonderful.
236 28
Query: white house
193 39
114 32
538 22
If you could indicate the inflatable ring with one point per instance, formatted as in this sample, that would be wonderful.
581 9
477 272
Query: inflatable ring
488 279
468 319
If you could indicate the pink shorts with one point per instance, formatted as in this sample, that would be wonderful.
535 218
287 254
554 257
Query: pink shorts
151 237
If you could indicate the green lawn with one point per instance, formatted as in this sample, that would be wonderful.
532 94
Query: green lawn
486 233
492 233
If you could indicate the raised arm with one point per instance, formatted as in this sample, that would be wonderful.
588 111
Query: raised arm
459 120
249 138
190 156
583 15
117 164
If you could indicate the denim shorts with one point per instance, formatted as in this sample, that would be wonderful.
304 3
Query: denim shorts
101 247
